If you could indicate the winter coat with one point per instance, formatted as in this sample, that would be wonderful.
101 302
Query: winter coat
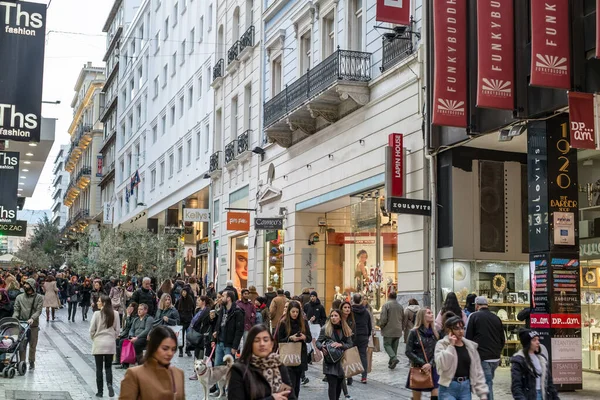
234 291
148 297
391 320
317 310
185 309
211 293
152 381
234 326
339 337
103 338
414 351
263 314
249 314
28 307
208 328
86 295
95 295
270 296
243 377
362 320
171 313
524 315
304 298
284 337
51 295
276 309
446 362
485 329
523 377
118 298
74 289
201 326
126 326
141 328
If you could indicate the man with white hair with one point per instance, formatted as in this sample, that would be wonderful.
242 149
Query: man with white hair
145 295
229 287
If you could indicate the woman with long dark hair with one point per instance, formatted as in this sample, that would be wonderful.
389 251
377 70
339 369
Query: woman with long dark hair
156 378
259 374
74 296
185 308
104 330
131 313
420 350
470 304
450 304
530 370
86 297
348 317
95 294
294 328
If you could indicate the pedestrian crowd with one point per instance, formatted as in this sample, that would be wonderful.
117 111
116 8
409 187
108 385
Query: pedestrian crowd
273 337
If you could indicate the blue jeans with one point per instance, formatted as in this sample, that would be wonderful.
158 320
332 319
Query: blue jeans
539 395
489 369
456 391
220 352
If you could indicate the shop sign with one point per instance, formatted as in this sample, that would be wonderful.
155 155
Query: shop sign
9 182
550 44
401 205
582 121
202 247
565 286
539 321
99 164
564 228
589 249
261 224
22 43
238 221
539 281
394 166
495 48
309 267
450 67
566 360
537 181
394 11
107 217
196 215
17 228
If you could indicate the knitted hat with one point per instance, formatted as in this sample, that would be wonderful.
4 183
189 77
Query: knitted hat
525 335
314 293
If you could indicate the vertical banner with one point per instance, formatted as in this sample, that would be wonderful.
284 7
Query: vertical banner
22 44
550 44
537 186
99 165
394 11
582 121
394 166
309 267
450 67
495 48
9 183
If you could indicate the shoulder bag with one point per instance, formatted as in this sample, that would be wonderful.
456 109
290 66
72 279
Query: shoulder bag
419 379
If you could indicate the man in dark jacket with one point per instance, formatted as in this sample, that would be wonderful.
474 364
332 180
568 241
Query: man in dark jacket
138 333
485 329
270 295
362 331
230 328
314 310
229 287
249 311
145 295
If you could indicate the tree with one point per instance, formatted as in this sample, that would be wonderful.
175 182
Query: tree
42 250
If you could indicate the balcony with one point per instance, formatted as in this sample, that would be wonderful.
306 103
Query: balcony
336 87
77 184
230 152
243 145
81 139
247 44
232 55
218 73
396 50
215 167
109 174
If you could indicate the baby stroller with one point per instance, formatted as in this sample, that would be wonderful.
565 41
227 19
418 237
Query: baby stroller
12 333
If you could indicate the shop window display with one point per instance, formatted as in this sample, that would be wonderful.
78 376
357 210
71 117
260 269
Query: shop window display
590 314
274 251
239 275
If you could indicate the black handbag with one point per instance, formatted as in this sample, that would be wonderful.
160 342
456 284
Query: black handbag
334 354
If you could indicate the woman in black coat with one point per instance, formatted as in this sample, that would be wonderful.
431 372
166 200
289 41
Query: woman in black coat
185 308
259 374
294 328
86 297
423 332
74 296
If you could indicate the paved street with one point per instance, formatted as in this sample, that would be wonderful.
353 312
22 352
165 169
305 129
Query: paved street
65 370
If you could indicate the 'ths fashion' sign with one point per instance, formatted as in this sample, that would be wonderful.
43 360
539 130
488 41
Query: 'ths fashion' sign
9 182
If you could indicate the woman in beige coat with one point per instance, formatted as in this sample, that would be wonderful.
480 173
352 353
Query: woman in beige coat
104 330
51 300
157 378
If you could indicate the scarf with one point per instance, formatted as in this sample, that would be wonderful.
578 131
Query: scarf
269 367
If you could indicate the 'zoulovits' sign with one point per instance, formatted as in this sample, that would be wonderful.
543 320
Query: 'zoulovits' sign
17 228
268 224
401 205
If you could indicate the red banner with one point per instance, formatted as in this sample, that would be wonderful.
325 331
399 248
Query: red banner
539 321
566 321
495 48
450 53
550 44
581 117
238 221
394 11
394 169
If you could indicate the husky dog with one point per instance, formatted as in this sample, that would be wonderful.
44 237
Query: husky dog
208 376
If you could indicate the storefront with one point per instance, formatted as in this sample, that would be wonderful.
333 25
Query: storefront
274 258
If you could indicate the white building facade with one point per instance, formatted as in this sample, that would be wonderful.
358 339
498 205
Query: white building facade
60 182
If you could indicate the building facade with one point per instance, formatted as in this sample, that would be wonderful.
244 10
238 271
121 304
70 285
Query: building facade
82 196
60 183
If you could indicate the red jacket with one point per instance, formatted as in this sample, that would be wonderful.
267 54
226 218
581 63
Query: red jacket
249 314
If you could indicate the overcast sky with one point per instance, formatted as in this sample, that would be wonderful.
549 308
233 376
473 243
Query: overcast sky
64 57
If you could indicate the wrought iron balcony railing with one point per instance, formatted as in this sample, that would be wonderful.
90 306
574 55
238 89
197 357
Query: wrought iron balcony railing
247 39
215 162
230 152
218 69
81 214
396 50
342 65
233 52
243 141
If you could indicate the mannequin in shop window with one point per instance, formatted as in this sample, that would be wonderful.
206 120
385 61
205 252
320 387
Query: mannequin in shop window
190 262
338 294
361 274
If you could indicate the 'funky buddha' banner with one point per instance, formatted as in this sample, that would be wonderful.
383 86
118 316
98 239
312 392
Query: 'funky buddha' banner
495 48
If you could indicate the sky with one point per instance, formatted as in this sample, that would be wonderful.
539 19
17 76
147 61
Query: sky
65 55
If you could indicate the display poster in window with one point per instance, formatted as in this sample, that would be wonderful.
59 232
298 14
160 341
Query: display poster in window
539 281
309 267
189 260
566 307
566 360
564 228
239 275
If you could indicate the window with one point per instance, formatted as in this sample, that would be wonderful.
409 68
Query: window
154 134
248 107
171 164
216 211
156 42
164 77
164 125
210 11
172 115
140 76
305 53
128 165
206 137
192 40
174 64
201 30
190 96
200 87
198 143
189 152
130 123
208 72
179 159
328 24
138 114
157 4
182 52
162 172
122 170
136 157
184 6
133 48
234 118
156 85
355 26
166 35
141 34
175 14
132 88
249 13
181 106
276 77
